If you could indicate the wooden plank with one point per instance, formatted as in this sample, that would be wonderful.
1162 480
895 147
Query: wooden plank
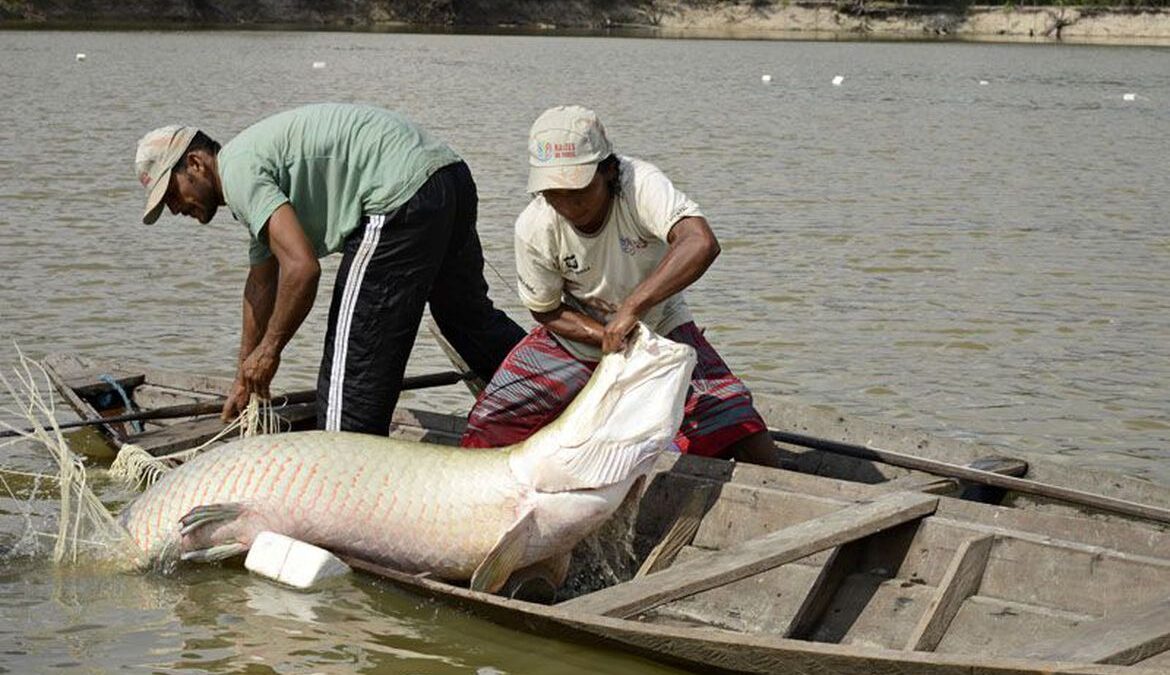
841 564
1123 637
766 602
1133 537
754 556
743 513
179 381
791 414
1004 466
681 532
917 483
86 385
960 582
474 383
1080 497
1158 662
179 436
1071 576
59 367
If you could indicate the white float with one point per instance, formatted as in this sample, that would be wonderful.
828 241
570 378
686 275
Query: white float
765 78
318 65
292 562
838 80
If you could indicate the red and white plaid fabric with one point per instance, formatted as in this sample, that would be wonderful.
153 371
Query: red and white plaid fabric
539 379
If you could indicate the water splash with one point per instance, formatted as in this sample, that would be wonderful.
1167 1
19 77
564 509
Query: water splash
605 557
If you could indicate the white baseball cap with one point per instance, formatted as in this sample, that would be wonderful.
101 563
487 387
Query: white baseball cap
158 152
565 146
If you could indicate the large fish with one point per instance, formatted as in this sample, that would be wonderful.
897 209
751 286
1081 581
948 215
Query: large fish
459 514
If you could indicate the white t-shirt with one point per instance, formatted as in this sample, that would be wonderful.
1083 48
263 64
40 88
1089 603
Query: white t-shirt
594 273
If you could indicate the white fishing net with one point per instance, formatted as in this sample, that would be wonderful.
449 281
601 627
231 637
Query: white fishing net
83 522
84 526
136 467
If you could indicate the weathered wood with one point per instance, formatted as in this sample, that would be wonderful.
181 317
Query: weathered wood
680 533
763 603
1125 636
917 483
148 396
475 384
89 385
210 407
1135 537
1158 662
1004 466
722 651
960 582
58 367
755 556
841 564
1097 501
196 382
999 627
743 513
790 414
1071 576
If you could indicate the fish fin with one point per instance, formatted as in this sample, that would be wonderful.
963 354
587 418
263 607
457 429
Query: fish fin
505 556
539 581
215 553
209 514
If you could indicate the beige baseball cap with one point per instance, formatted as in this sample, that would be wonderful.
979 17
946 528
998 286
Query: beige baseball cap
565 146
158 152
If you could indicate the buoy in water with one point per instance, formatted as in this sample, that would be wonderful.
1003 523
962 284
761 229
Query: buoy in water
983 83
318 65
80 56
765 78
837 80
1129 97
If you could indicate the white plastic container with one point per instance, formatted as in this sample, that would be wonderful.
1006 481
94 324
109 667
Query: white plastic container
292 562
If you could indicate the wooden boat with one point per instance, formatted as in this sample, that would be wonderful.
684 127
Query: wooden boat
846 563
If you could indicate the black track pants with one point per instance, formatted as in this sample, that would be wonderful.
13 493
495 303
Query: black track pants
425 251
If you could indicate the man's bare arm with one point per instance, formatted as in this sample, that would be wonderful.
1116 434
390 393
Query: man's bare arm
277 298
693 248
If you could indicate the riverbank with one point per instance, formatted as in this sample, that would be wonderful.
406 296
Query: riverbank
750 19
974 22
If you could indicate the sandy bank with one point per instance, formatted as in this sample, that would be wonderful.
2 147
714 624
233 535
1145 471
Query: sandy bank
976 22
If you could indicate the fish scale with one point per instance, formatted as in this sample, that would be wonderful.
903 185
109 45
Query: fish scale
344 466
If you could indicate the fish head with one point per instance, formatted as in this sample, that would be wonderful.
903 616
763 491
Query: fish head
626 415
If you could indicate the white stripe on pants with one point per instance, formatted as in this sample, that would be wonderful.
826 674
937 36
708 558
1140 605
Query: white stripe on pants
353 284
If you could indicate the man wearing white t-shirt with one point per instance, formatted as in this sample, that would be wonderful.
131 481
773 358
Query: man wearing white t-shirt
606 242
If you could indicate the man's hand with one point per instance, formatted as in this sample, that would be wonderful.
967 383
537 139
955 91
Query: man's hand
236 401
254 377
617 330
257 371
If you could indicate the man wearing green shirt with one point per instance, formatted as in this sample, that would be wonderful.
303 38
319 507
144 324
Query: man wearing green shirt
397 203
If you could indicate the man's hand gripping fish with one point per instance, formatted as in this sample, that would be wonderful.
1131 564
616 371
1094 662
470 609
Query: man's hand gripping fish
458 514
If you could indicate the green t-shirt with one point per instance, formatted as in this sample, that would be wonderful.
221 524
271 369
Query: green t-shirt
333 162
